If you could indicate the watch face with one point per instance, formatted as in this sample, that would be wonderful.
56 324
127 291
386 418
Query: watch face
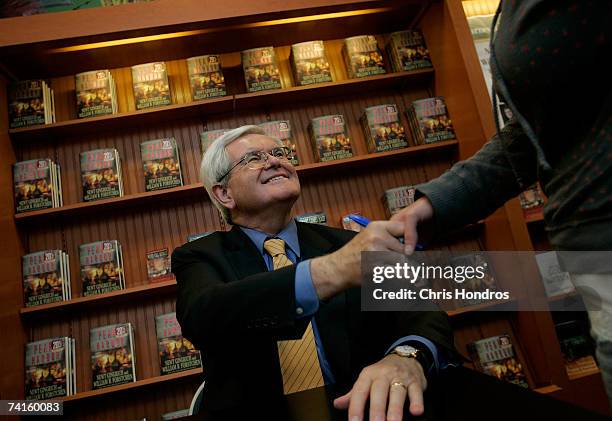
406 350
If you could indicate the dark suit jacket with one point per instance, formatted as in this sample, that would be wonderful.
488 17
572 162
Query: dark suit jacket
234 310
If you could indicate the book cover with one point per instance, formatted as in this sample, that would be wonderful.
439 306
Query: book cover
431 120
193 237
43 277
363 57
151 87
94 93
309 63
398 198
162 165
206 77
208 137
158 265
349 224
313 218
26 103
532 201
100 174
474 284
112 355
261 69
281 130
330 140
101 267
176 353
408 51
556 281
175 415
32 185
383 129
495 356
46 366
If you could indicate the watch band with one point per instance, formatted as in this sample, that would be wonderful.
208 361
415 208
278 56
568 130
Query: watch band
423 356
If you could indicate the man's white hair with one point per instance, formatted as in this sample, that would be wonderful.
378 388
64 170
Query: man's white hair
216 162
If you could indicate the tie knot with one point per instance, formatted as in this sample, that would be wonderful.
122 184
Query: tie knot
274 246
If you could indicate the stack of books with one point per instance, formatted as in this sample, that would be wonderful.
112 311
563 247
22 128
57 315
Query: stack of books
96 94
46 277
37 184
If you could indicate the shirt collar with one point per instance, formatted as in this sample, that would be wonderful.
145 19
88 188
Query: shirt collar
288 234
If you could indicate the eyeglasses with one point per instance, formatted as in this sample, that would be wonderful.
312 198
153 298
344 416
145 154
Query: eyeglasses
258 159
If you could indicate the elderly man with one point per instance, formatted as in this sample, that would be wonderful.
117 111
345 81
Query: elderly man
274 304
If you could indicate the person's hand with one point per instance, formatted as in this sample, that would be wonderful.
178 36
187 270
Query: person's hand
341 269
420 211
392 379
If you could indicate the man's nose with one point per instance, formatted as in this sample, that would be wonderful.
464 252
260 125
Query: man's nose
272 161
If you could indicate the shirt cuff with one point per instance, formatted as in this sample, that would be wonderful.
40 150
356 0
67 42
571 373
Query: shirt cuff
439 360
306 299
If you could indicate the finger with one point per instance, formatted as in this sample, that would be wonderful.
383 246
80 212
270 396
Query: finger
410 235
415 394
378 399
359 397
342 402
397 397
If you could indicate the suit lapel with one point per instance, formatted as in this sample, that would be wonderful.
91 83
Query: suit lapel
242 254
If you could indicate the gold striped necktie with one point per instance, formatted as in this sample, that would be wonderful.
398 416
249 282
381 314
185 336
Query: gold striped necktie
299 360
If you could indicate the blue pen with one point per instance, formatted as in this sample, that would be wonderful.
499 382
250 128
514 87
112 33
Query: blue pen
363 221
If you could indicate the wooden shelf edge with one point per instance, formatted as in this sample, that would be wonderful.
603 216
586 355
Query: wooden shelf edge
478 307
534 218
128 386
95 299
545 390
586 373
144 197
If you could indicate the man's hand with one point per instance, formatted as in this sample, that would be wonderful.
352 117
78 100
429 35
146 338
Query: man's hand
393 378
341 269
411 216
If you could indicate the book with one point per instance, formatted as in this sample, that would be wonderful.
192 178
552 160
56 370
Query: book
158 265
206 77
383 129
33 185
162 164
309 63
176 353
408 51
95 94
349 224
495 356
281 130
49 368
44 277
101 267
362 56
112 355
532 201
261 69
329 138
556 281
208 137
193 237
398 198
475 283
150 83
30 103
101 174
175 415
430 121
313 218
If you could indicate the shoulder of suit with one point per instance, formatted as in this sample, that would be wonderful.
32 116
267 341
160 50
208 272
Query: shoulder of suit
328 232
212 240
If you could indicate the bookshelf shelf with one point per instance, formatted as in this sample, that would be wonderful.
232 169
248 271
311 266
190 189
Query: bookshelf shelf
498 305
238 102
553 388
195 190
575 376
537 217
129 294
129 386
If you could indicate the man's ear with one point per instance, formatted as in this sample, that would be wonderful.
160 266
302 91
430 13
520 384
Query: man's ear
224 196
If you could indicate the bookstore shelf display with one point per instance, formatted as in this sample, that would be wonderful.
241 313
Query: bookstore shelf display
150 224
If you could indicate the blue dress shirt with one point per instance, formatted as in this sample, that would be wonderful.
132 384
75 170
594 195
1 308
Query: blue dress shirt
306 299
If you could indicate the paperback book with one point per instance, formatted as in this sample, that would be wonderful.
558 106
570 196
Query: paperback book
349 224
158 265
383 129
176 353
101 174
206 77
45 277
36 185
281 130
208 137
151 87
162 164
556 281
309 63
261 69
95 93
329 138
495 356
408 51
30 103
101 267
313 218
429 121
362 56
49 368
532 201
194 237
398 198
112 355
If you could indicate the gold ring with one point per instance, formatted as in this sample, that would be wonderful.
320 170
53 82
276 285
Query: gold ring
398 383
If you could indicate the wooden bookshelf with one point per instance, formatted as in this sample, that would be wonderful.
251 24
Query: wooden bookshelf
538 217
139 384
196 189
139 292
502 305
547 390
